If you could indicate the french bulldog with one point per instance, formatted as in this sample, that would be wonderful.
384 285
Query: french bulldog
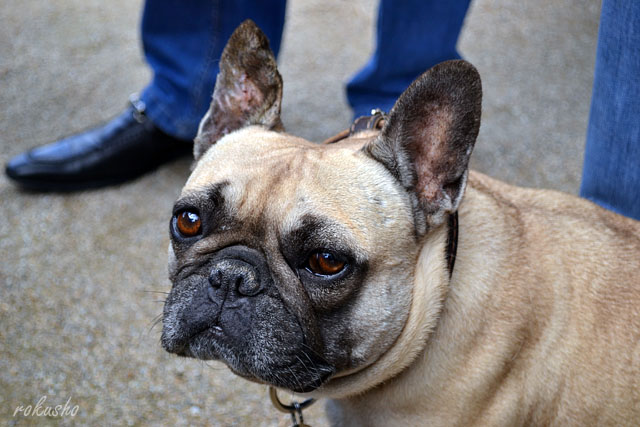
322 269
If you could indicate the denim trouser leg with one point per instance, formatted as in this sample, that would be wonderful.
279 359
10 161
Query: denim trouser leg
611 172
182 42
411 37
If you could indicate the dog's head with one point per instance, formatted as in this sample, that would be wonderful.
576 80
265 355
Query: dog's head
294 262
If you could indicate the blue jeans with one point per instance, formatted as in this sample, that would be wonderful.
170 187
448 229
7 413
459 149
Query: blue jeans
411 37
611 171
183 40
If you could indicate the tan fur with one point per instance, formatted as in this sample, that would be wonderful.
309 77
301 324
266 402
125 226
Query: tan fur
539 325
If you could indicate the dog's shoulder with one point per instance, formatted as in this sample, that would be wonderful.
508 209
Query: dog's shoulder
550 207
551 231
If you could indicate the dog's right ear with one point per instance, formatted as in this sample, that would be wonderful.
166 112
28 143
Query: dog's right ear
248 89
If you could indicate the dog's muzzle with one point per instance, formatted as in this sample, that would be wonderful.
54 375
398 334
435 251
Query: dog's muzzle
218 301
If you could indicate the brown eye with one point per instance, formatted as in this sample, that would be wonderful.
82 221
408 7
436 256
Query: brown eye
324 264
188 223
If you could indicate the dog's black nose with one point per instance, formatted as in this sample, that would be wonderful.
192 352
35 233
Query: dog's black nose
235 275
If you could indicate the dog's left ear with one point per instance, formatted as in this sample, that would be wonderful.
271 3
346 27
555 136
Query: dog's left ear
248 89
429 135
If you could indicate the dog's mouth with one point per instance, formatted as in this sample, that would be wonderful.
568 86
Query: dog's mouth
192 346
281 358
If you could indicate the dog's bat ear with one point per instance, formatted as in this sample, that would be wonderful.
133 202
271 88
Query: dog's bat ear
248 89
429 135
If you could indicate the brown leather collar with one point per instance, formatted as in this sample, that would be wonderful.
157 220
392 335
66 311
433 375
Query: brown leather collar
375 122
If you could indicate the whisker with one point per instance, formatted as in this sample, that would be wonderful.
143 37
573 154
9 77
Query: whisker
295 377
154 292
315 353
210 364
304 365
156 320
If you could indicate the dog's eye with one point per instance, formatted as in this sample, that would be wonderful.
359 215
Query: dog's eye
188 223
324 264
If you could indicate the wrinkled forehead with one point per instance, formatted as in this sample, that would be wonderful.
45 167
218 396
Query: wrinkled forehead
252 151
279 165
274 175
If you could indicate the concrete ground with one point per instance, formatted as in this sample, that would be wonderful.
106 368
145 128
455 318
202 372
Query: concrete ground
82 275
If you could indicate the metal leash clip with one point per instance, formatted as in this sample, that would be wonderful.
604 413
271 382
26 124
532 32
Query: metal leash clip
294 409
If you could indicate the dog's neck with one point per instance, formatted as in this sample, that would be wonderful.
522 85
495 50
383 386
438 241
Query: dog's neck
425 357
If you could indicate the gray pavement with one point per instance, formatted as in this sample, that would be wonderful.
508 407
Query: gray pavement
82 276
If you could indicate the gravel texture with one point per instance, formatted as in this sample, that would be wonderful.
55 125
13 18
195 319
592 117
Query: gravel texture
83 276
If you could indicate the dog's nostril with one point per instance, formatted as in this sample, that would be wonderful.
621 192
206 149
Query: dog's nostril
236 276
248 286
215 278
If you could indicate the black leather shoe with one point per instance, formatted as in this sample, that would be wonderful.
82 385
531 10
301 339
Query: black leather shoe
121 150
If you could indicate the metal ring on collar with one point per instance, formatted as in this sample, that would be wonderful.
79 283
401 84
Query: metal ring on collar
288 409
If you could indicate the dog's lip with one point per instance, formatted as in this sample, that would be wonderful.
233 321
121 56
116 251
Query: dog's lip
183 347
212 334
215 330
352 371
215 335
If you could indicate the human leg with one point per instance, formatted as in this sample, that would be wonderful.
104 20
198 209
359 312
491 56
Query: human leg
182 43
411 37
611 171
